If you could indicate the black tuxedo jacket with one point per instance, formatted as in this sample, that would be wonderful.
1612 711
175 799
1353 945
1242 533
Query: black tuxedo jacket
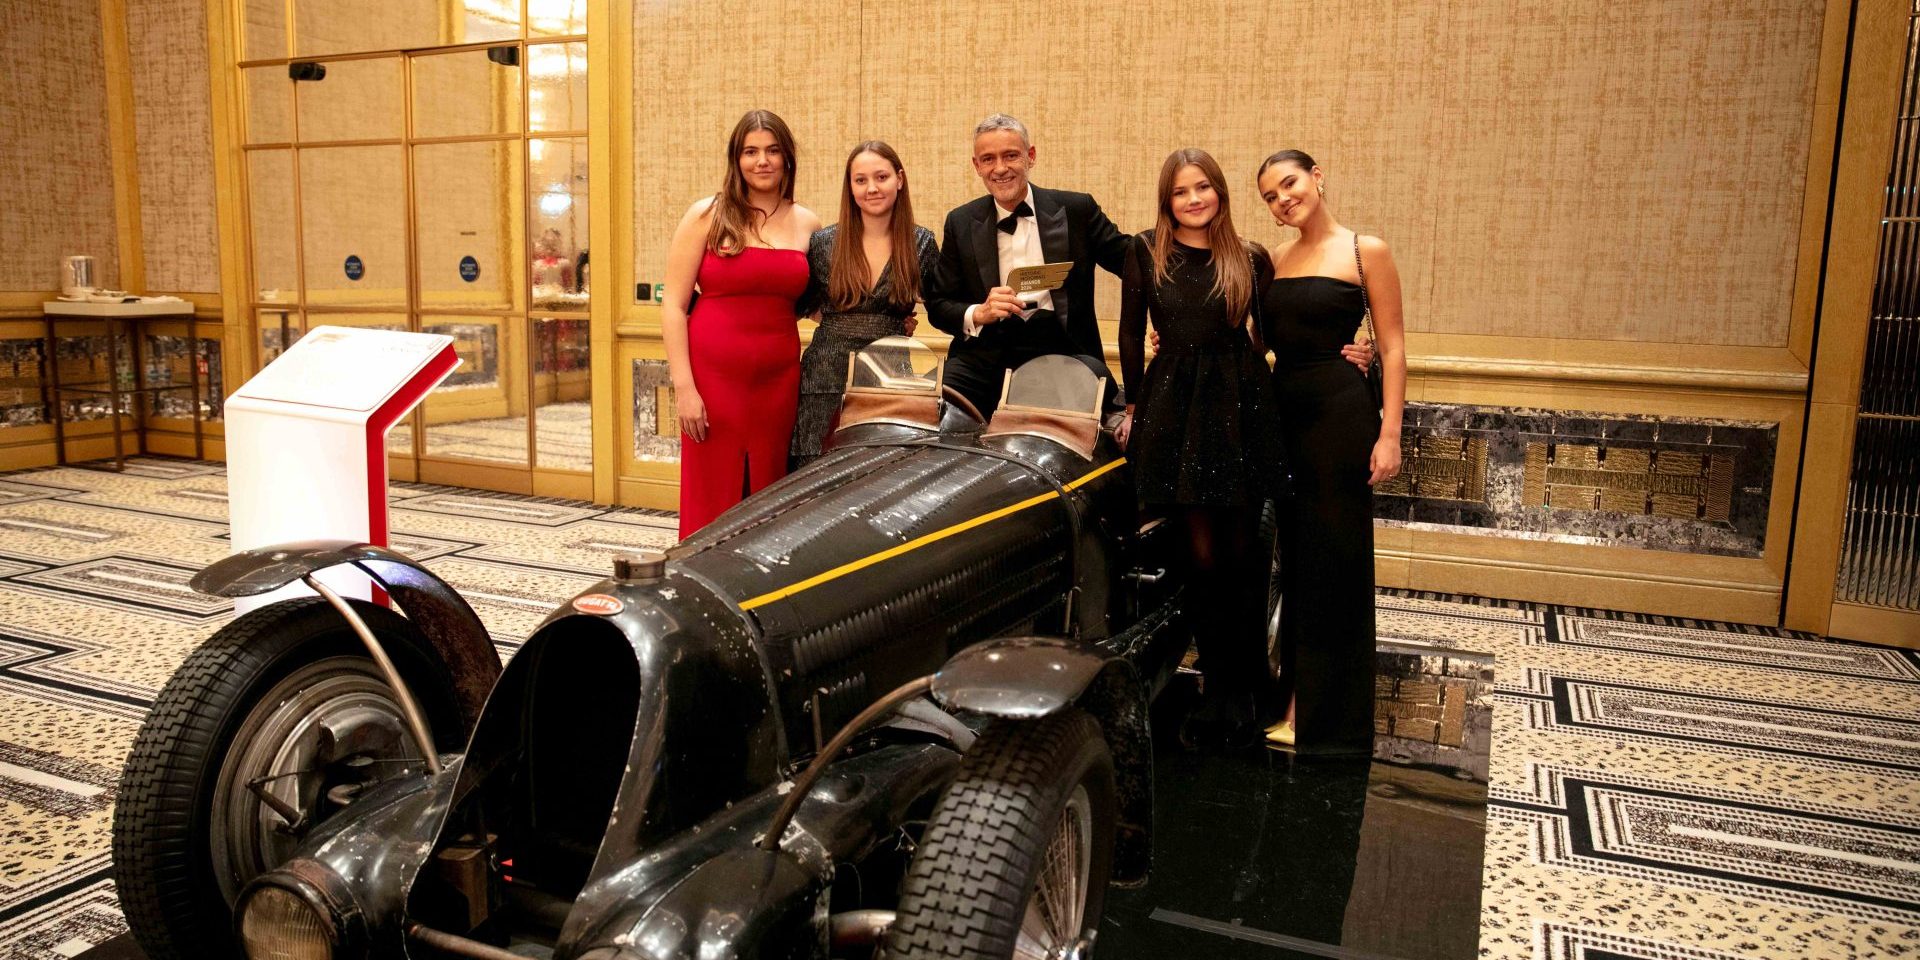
1072 227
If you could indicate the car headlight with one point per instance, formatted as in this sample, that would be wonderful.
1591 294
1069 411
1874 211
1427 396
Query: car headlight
300 911
278 924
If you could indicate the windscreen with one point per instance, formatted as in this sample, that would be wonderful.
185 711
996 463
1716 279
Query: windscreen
895 365
1055 382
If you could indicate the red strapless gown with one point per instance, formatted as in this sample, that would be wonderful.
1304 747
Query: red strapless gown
744 344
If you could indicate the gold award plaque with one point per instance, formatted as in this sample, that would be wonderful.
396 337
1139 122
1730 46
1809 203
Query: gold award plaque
1045 276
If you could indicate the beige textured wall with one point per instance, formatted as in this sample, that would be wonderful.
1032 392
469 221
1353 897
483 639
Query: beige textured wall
1629 171
56 178
167 47
699 66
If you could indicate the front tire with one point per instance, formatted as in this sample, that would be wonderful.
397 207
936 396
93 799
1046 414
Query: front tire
1017 855
287 699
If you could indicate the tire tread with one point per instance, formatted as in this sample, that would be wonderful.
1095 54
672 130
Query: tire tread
975 868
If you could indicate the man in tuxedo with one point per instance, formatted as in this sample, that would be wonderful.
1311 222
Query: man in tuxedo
1018 225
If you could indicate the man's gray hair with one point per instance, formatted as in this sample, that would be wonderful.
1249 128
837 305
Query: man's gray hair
1001 121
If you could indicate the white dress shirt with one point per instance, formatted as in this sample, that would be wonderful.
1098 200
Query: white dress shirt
1021 248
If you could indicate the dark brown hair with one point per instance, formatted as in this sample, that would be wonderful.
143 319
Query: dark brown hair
849 276
1232 270
733 214
1298 158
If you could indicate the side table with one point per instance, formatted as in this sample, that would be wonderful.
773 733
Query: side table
121 319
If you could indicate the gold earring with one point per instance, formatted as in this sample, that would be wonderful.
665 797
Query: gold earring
1323 190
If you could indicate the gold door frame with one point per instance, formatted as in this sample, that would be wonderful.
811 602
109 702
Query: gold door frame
1868 116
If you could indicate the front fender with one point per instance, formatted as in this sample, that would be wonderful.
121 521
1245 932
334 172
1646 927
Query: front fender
449 624
1024 678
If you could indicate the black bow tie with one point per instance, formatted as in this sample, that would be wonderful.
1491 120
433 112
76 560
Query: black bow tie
1012 221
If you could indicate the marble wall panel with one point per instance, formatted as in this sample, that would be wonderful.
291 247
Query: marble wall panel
656 434
1683 484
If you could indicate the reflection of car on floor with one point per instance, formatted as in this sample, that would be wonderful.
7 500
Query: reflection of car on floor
898 698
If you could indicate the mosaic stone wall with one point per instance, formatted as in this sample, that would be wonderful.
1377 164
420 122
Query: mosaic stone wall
656 434
1689 485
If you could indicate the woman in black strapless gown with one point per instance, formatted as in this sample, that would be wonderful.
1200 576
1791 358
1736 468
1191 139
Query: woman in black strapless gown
1339 444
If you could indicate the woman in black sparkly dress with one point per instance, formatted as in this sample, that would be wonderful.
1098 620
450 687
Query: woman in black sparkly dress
1201 429
866 274
1339 444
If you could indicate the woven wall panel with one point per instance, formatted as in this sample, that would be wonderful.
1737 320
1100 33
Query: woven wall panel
1622 171
699 66
56 178
167 45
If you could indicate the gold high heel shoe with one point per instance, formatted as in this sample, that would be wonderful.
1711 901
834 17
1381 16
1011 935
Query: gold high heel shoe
1281 733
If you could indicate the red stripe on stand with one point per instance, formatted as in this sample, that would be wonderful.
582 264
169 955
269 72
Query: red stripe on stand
403 400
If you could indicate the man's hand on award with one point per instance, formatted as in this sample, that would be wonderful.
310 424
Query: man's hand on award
1359 354
1000 304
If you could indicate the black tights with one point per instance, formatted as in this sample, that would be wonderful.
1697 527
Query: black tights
1226 577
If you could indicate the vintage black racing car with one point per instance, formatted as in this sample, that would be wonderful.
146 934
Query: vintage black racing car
895 702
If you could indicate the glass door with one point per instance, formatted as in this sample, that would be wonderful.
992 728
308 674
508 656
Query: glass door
423 167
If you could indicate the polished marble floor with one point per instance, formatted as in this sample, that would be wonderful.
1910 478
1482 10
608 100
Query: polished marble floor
1262 855
1654 788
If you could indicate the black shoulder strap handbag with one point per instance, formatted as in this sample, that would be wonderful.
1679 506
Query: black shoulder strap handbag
1376 387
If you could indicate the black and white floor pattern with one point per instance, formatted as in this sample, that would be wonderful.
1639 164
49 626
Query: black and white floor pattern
1660 789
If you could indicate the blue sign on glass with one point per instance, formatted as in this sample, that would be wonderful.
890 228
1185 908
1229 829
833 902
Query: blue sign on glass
355 269
469 269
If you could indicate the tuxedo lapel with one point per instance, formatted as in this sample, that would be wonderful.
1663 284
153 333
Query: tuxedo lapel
1056 245
986 251
1051 215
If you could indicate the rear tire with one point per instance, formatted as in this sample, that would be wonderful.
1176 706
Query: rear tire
1016 858
178 857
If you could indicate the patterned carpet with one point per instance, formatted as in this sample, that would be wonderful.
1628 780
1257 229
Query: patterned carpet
1660 788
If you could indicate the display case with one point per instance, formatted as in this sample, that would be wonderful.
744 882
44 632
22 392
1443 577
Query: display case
101 369
24 399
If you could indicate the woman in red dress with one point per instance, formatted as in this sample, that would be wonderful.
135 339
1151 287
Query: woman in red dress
735 353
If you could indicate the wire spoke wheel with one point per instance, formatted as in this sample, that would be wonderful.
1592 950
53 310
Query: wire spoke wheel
1057 911
328 725
1016 856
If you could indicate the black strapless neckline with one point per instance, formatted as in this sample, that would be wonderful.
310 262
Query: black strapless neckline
1317 276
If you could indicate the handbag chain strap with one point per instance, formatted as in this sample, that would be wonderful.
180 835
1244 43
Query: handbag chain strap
1365 304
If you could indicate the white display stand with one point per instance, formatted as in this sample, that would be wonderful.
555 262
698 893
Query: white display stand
307 442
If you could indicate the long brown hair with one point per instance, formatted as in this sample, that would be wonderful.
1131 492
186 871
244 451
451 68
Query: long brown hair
850 276
733 214
1232 270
